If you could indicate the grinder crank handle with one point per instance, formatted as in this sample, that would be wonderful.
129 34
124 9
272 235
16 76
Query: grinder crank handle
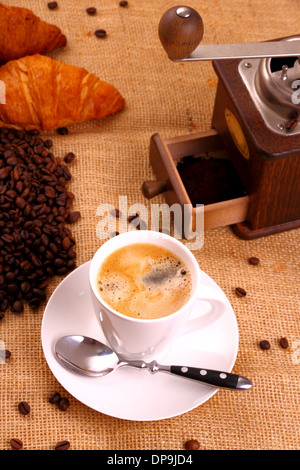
181 30
216 378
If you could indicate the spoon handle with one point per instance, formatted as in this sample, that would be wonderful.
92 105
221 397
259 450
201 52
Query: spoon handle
213 377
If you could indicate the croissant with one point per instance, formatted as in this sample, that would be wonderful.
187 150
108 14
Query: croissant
22 33
46 94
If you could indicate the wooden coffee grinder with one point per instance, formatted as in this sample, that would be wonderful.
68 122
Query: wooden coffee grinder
254 125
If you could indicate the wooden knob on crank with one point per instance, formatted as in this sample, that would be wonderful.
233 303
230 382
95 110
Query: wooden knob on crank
180 31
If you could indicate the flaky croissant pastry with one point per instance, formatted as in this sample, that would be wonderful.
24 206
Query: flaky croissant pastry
45 94
22 33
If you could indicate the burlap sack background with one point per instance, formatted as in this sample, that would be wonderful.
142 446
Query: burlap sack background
112 159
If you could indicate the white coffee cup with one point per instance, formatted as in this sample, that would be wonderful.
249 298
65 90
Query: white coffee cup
140 339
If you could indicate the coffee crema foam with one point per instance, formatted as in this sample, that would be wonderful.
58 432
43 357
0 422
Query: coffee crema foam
144 281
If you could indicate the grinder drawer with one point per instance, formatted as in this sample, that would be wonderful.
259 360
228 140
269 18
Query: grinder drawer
191 153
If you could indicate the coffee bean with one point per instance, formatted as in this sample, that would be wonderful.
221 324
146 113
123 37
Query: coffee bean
62 130
66 243
62 445
10 276
254 261
59 262
141 225
20 202
17 307
54 397
63 404
91 10
11 193
7 354
52 5
4 172
7 238
25 265
192 444
264 344
100 33
12 289
284 343
25 287
8 153
73 217
34 304
132 217
240 292
19 186
165 230
48 143
291 124
123 3
69 157
116 213
50 192
24 408
16 444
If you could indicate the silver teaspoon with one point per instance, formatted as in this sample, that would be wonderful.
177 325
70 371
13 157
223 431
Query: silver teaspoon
88 356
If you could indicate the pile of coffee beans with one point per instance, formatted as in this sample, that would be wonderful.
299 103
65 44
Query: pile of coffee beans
35 207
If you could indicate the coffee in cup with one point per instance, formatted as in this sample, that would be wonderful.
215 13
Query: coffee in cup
148 338
144 281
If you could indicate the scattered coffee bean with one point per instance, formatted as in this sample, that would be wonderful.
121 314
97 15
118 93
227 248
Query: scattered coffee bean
284 343
264 344
62 130
116 213
123 3
165 230
62 445
91 10
132 217
100 33
192 444
35 207
52 5
7 354
24 408
291 124
63 404
16 444
254 261
69 157
115 234
55 397
141 225
240 292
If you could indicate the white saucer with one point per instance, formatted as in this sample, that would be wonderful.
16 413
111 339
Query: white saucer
130 393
